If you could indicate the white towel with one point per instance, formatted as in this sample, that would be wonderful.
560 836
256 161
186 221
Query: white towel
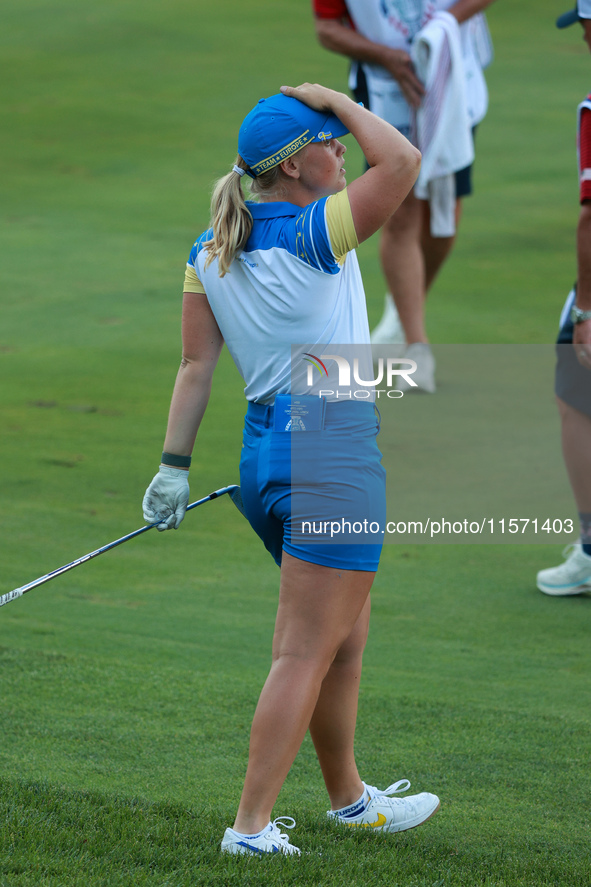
477 52
443 126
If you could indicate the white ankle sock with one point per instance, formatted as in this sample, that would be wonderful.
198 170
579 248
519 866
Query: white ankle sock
356 808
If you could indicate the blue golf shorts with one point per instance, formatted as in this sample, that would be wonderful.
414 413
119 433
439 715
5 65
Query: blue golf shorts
319 495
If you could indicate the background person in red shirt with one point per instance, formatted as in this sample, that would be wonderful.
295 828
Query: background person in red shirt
376 35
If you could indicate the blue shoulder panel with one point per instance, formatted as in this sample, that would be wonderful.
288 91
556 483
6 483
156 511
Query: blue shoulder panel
198 246
301 231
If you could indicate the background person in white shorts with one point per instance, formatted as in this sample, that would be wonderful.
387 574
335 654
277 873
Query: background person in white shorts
377 36
573 365
267 276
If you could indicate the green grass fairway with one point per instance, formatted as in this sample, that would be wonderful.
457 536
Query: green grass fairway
128 685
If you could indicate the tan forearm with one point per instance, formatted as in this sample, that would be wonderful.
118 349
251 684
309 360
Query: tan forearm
394 163
202 344
582 331
338 37
465 9
584 258
189 401
382 144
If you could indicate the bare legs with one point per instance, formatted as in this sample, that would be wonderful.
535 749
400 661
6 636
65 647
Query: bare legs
436 249
576 448
404 267
320 633
332 727
411 259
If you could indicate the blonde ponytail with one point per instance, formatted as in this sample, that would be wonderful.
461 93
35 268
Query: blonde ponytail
231 220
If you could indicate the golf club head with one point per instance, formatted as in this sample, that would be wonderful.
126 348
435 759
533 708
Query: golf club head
236 497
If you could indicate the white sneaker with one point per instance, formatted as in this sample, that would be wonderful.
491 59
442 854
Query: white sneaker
270 840
571 577
386 814
389 330
424 375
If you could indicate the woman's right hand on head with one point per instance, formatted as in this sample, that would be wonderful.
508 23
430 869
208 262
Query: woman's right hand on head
166 498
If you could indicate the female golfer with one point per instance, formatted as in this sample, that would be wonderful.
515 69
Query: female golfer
277 279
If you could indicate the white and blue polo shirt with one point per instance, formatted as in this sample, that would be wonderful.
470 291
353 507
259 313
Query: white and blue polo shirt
296 281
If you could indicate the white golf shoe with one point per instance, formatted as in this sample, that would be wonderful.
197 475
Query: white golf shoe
424 375
270 840
571 577
389 330
383 813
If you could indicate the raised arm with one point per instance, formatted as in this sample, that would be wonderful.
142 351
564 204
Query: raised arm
336 36
394 163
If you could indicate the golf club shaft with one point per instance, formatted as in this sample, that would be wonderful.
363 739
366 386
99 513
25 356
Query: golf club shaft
18 592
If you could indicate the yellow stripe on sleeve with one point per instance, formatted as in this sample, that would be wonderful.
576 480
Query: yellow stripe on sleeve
341 230
192 282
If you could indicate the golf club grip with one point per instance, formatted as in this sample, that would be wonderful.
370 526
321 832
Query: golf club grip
213 495
11 596
18 592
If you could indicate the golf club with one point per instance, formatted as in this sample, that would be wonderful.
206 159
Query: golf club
233 491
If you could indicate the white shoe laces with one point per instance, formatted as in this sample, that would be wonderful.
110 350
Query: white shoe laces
401 786
284 822
569 550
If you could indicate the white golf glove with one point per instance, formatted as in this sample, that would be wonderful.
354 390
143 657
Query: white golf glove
166 498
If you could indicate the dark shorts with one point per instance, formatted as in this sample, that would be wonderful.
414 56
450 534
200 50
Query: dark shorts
319 495
572 381
463 176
